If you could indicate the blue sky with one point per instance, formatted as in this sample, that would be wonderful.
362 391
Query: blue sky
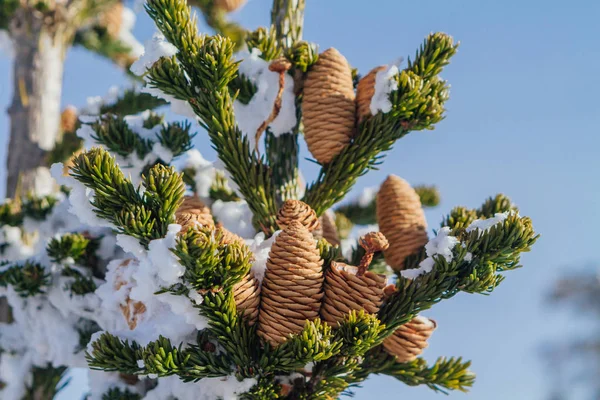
522 120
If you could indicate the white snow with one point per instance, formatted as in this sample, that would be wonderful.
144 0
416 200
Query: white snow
261 248
384 85
126 35
79 199
235 217
15 370
367 196
226 388
250 116
484 225
154 49
441 245
204 173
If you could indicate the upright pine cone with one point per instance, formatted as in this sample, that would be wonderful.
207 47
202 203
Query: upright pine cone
401 219
296 210
347 290
328 106
112 19
192 212
68 119
409 340
292 286
246 295
330 232
364 93
229 5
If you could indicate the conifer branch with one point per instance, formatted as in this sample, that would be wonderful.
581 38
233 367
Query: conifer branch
417 104
26 280
445 374
208 63
144 216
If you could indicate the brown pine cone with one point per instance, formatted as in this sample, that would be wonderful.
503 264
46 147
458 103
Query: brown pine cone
292 288
229 5
246 294
346 290
112 19
296 210
328 107
401 219
329 228
364 93
193 212
228 237
68 119
409 340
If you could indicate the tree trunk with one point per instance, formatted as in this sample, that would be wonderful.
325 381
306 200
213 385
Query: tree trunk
40 50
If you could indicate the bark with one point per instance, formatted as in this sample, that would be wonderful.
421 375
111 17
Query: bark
40 49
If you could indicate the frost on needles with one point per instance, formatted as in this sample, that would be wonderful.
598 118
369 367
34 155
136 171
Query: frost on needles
162 282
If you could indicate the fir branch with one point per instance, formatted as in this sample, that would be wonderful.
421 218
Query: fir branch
287 16
10 213
429 195
208 63
266 42
417 104
7 10
115 134
120 394
37 207
110 353
46 382
176 137
132 102
209 265
445 374
433 55
27 280
233 334
81 285
70 245
491 252
315 343
144 216
497 204
163 196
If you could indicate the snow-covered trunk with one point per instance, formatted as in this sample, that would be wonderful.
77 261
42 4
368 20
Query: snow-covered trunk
35 109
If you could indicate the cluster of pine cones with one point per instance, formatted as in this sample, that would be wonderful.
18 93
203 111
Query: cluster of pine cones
295 287
331 109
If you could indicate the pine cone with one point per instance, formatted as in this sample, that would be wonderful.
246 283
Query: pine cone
246 294
409 340
292 288
346 290
228 237
329 228
328 106
401 219
229 5
112 19
68 119
296 210
364 93
192 212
